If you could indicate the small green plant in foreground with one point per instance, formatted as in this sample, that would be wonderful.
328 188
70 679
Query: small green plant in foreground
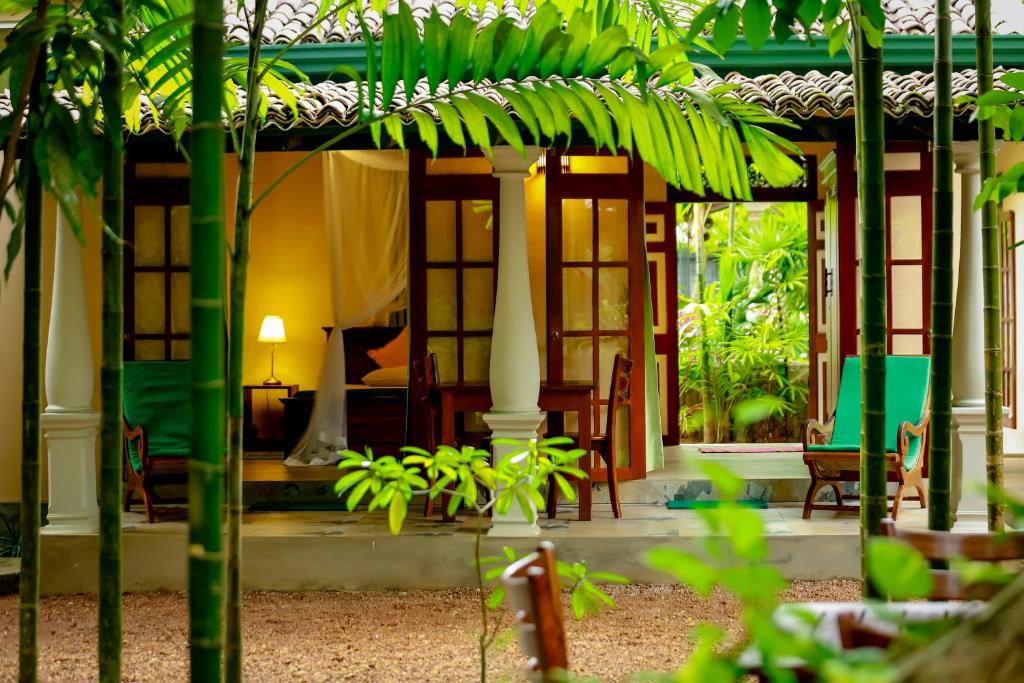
470 480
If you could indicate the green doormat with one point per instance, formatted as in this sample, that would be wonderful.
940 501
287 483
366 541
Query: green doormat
707 504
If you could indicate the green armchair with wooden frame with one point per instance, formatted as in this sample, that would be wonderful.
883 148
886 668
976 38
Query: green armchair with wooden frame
157 427
832 450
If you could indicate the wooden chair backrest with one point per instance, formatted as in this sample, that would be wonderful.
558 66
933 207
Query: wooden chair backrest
425 376
535 597
618 395
945 545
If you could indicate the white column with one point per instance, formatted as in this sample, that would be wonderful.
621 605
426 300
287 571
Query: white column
515 363
69 422
968 447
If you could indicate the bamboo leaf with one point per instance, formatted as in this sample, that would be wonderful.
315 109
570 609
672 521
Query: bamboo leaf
523 109
452 123
427 129
393 126
475 123
435 52
546 20
461 41
757 22
412 51
579 32
603 50
391 58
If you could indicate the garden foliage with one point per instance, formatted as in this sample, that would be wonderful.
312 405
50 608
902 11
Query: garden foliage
753 321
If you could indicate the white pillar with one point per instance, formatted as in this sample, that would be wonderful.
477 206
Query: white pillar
69 422
968 447
515 363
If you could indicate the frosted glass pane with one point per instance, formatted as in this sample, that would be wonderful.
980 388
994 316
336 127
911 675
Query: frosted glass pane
149 303
149 349
613 229
477 299
477 230
907 288
578 359
907 344
181 349
441 232
622 436
577 230
149 236
606 165
476 359
180 318
906 227
609 347
613 298
441 312
578 298
447 357
181 230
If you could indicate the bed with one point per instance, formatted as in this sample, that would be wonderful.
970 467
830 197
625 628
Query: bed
376 414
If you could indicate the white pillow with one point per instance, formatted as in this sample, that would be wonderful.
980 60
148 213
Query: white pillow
397 376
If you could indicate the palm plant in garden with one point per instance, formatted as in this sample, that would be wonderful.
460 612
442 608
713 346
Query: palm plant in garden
752 322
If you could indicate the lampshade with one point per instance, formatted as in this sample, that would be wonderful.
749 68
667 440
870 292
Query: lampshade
272 330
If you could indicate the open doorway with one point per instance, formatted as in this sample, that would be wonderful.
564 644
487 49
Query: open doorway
744 321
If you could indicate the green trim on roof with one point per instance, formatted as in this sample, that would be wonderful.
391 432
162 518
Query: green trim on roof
903 54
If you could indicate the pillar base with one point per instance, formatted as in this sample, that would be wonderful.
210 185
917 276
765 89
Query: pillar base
970 478
71 466
523 427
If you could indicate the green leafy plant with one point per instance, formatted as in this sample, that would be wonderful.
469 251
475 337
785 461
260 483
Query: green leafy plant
752 322
470 480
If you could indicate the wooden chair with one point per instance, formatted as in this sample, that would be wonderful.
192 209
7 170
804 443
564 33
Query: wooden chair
945 546
535 598
832 450
157 403
425 377
605 445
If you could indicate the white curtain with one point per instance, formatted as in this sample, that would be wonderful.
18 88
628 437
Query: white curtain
366 210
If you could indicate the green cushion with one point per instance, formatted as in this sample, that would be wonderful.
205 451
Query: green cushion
906 395
158 397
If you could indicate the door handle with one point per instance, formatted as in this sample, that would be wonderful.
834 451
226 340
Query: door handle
556 335
828 282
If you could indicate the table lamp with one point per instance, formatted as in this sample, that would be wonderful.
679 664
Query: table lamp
272 332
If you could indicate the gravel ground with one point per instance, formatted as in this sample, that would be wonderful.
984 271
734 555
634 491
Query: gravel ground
411 636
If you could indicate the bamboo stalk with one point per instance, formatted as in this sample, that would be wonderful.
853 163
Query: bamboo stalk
236 341
28 606
871 200
939 456
110 554
990 272
206 464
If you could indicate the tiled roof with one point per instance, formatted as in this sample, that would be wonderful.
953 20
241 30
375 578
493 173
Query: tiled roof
792 96
288 18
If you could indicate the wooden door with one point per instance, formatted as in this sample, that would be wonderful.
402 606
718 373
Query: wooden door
818 294
156 262
453 243
595 257
660 236
908 220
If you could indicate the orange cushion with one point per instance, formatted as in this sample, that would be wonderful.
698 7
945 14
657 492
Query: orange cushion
394 353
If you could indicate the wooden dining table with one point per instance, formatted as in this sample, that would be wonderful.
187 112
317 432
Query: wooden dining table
556 399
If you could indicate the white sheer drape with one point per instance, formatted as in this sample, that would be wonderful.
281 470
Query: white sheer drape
366 208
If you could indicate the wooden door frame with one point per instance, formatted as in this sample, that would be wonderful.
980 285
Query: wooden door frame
629 187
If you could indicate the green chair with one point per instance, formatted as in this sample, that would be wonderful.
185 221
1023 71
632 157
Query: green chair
157 427
832 450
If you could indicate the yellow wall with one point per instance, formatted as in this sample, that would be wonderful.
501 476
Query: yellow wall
288 269
1010 154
